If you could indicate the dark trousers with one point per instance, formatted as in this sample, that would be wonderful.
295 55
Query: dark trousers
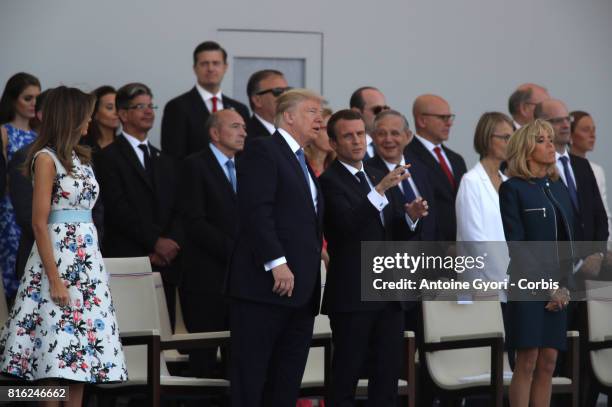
205 312
376 336
269 348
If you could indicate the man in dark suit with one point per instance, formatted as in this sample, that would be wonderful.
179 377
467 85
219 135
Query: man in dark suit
432 121
361 205
368 101
182 129
138 186
263 88
274 276
209 217
590 225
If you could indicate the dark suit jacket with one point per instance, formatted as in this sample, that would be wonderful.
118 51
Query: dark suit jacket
182 128
209 216
592 219
350 218
443 193
426 229
137 211
277 218
255 129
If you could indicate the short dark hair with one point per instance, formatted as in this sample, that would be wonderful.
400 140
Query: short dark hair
256 78
357 98
517 98
126 93
345 114
208 46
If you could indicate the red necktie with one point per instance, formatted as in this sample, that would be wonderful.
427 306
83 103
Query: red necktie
444 166
214 104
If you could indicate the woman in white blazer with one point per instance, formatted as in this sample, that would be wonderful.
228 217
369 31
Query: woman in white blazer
477 203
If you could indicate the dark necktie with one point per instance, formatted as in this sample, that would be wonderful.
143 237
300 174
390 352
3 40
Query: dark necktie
409 194
444 165
363 182
214 104
148 165
569 181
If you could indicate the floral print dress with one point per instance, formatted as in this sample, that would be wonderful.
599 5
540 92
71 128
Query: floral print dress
9 230
80 341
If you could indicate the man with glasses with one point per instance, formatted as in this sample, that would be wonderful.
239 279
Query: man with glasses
433 121
138 185
263 88
523 100
182 130
368 101
590 218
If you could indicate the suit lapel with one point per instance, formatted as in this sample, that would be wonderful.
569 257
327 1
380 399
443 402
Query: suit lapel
217 172
130 155
421 151
293 162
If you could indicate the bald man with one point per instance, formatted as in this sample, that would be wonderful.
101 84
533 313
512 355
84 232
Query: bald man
433 120
209 216
523 100
590 220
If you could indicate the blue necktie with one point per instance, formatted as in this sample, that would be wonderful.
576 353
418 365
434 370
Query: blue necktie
302 160
363 182
570 181
231 170
409 194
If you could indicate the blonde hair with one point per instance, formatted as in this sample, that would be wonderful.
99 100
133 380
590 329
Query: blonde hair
485 129
521 146
290 99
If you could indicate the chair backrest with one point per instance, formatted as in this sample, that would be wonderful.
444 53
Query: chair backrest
164 319
599 309
4 311
444 318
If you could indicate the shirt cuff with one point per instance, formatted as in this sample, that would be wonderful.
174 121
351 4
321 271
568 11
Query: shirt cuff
273 263
379 201
411 224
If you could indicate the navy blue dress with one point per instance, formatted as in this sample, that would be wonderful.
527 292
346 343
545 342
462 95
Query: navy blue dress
537 210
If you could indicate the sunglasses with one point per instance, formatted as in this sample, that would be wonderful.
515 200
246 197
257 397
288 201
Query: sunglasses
274 91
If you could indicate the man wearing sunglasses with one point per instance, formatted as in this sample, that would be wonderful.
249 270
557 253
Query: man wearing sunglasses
368 101
590 216
523 100
263 88
183 124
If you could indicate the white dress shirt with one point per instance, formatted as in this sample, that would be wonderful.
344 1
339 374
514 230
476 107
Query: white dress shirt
412 224
479 220
222 159
294 146
562 170
370 146
207 98
269 126
134 142
430 147
377 200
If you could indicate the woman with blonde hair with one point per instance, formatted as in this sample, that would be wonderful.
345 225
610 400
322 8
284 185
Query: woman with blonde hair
536 207
62 328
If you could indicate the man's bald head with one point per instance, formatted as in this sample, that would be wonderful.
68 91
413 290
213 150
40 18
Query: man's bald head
432 118
555 112
227 131
522 102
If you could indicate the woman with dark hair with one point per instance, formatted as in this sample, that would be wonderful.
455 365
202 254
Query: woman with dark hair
104 120
582 141
319 153
63 325
536 207
17 111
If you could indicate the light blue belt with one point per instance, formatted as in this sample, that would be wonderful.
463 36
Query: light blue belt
70 216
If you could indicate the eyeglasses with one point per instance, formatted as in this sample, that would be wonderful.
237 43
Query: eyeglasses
378 109
276 92
505 137
443 117
559 120
142 106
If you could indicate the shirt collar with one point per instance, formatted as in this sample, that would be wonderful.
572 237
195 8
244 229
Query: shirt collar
293 144
269 126
222 158
352 169
134 142
206 95
392 166
565 154
428 144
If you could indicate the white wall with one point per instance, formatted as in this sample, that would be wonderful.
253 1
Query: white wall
472 52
